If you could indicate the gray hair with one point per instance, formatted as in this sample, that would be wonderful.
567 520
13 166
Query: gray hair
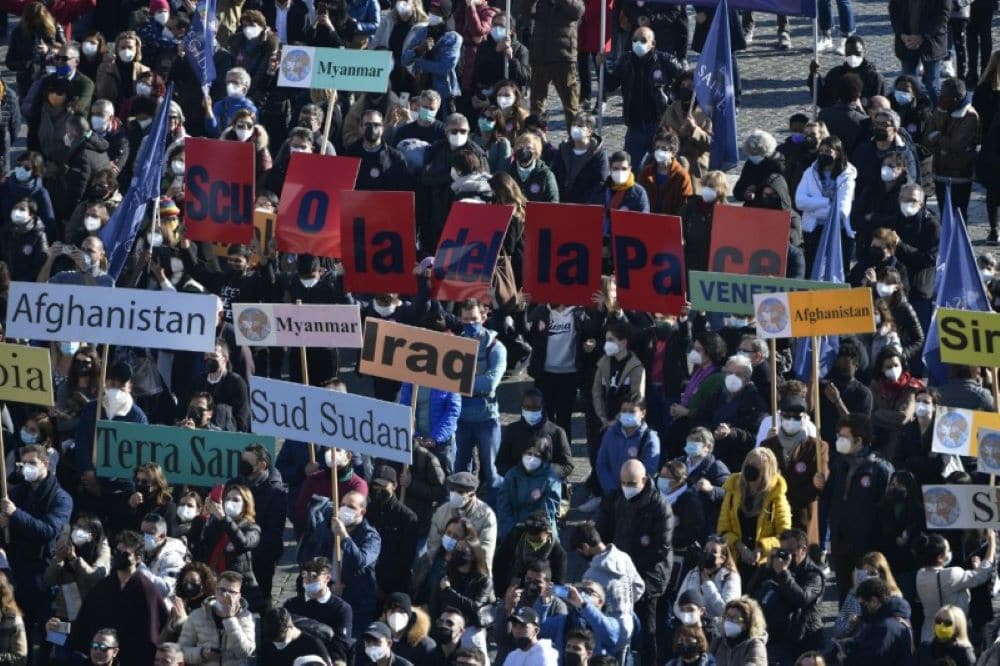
431 96
456 120
104 107
241 74
912 188
586 119
743 363
158 522
890 114
703 435
759 142
759 346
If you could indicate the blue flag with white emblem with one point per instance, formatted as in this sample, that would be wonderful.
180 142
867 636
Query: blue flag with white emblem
713 86
199 42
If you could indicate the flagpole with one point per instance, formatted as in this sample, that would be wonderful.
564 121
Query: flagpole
816 401
413 420
774 381
304 360
100 400
335 498
3 476
601 67
815 87
996 406
506 62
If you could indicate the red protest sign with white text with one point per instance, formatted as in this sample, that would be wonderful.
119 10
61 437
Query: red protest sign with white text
749 241
562 252
468 250
309 211
648 252
218 190
378 241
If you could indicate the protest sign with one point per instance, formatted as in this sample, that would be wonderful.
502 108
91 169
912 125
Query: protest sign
330 418
25 374
410 354
291 325
648 253
562 252
962 507
749 241
153 319
468 250
309 211
187 455
378 232
218 190
263 234
802 314
334 69
726 292
969 337
958 432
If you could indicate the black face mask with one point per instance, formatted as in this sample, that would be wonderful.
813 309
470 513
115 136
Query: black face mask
572 659
143 487
685 95
373 134
825 160
689 650
188 590
245 468
523 643
196 414
876 254
842 375
880 134
442 635
770 201
524 156
810 142
708 561
381 496
460 557
212 365
121 561
82 367
751 473
234 272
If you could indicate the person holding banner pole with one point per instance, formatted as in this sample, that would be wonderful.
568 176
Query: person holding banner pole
357 549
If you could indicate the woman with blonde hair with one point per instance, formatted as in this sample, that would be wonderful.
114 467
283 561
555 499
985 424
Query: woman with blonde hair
118 75
744 635
230 536
871 565
395 26
697 219
756 495
951 640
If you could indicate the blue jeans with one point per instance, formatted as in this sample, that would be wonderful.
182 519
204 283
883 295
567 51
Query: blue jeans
638 142
845 12
932 73
486 436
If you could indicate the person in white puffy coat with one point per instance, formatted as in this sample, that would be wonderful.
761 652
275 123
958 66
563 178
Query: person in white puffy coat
829 181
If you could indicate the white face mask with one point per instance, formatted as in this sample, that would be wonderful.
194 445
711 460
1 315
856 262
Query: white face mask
854 61
456 500
844 445
531 463
30 473
234 508
458 140
611 348
234 89
80 537
19 216
126 55
885 290
143 89
688 618
662 156
397 621
577 133
384 310
732 629
161 17
252 31
89 48
149 543
243 134
98 123
377 652
791 426
186 513
924 410
755 159
498 33
91 223
309 283
505 101
145 122
117 402
909 209
893 373
694 357
347 515
708 194
619 176
733 383
434 20
404 10
888 174
177 166
629 492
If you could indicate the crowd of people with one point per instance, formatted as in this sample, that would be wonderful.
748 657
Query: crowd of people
710 528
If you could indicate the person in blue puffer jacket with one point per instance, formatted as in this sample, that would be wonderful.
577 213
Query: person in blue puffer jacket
436 419
434 48
530 487
366 16
631 437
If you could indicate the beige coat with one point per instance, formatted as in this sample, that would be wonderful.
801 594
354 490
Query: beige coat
236 640
479 514
633 376
696 141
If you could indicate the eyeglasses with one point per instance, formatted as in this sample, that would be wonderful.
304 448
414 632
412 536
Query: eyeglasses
103 647
944 622
234 593
244 126
458 131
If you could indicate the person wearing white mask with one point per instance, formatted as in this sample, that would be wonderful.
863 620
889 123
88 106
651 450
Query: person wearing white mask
528 488
894 392
255 45
463 503
360 546
24 241
534 422
440 158
696 219
637 520
318 602
581 165
282 643
117 75
246 129
804 462
163 556
666 181
630 438
501 48
854 62
735 410
919 235
858 480
409 626
432 49
156 34
509 99
620 192
82 559
914 453
620 375
233 520
395 26
645 75
220 115
107 126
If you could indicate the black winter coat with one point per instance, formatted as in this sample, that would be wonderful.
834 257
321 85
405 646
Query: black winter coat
516 437
271 505
488 68
642 527
790 600
932 26
579 177
754 175
397 525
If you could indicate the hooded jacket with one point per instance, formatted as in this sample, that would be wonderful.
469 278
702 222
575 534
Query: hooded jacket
523 493
167 562
579 176
815 205
667 197
774 518
234 636
643 528
883 637
414 645
622 583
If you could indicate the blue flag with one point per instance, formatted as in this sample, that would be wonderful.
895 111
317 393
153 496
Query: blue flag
199 42
957 284
119 233
713 85
828 266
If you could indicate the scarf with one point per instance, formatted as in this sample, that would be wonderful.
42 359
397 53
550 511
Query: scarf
789 442
628 184
892 389
696 379
672 496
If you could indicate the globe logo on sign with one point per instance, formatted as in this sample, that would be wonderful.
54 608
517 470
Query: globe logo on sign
953 430
772 315
989 452
296 65
941 508
254 324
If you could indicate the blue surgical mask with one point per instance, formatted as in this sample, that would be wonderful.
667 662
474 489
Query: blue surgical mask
628 419
532 417
448 543
68 348
692 448
313 587
473 330
22 173
425 114
903 98
63 70
27 437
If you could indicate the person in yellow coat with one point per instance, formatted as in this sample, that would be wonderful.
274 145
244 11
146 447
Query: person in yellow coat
755 511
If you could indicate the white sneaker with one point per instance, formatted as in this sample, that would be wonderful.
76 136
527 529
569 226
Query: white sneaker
825 43
840 50
784 41
749 37
591 505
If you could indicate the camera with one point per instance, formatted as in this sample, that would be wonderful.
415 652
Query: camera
783 555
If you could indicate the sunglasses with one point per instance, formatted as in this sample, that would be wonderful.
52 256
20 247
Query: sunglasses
103 647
